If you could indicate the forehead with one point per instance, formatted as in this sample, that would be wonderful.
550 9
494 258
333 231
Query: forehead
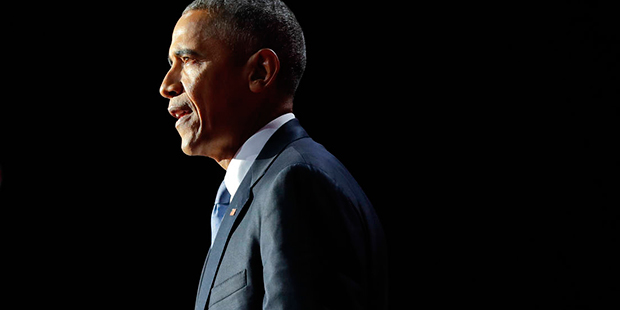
190 30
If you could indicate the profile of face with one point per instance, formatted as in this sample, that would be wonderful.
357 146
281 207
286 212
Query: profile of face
204 85
218 97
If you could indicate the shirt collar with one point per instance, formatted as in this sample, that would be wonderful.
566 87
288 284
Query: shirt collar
243 160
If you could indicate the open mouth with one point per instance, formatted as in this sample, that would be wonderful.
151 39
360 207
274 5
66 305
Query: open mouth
180 110
180 113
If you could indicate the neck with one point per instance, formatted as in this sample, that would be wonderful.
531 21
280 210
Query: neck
224 163
254 126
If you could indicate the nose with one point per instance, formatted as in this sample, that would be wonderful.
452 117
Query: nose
171 86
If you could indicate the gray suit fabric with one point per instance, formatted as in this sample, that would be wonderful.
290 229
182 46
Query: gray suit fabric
303 235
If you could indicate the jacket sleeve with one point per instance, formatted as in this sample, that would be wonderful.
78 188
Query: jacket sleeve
311 243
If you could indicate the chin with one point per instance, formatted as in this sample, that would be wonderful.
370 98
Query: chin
192 147
188 148
212 148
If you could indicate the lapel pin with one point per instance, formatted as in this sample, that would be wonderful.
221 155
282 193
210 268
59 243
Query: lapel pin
233 211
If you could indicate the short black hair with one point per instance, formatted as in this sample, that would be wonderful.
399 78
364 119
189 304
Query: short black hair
250 25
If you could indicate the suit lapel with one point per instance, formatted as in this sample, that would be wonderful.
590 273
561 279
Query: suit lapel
288 133
221 240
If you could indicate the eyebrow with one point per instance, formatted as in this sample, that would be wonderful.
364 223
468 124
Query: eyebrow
184 52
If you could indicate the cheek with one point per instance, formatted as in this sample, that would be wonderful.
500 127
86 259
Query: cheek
192 78
208 87
196 82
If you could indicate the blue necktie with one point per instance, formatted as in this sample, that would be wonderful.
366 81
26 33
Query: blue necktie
221 204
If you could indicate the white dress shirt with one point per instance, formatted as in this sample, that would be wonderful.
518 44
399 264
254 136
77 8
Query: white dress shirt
243 160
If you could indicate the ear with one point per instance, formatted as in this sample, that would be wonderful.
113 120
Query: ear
263 67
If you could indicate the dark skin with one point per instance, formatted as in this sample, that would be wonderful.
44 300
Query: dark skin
220 99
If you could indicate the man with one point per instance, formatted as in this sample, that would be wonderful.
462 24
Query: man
291 229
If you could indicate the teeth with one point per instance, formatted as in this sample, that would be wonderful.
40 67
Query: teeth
180 114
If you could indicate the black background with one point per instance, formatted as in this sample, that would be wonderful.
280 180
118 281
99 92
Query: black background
485 135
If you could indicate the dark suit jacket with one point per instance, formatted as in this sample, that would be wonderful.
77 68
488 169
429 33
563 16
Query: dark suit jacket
299 234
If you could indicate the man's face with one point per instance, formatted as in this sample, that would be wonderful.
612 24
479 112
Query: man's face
204 86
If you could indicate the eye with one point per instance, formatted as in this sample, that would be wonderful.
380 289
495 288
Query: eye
185 59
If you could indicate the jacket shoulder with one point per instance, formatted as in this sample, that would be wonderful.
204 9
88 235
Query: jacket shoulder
312 168
308 153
